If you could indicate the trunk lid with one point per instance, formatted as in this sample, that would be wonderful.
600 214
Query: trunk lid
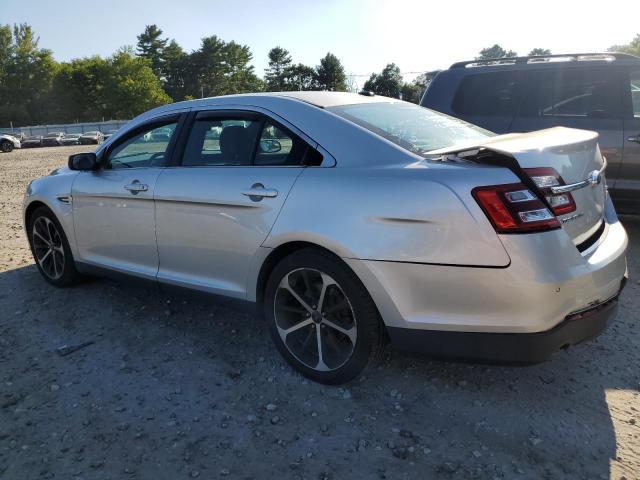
573 154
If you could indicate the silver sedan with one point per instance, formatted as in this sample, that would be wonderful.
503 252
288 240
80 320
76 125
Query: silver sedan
347 220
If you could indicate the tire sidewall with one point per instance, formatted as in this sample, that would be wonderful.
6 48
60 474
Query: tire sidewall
69 272
6 146
365 313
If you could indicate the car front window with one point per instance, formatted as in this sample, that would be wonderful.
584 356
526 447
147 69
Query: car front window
409 126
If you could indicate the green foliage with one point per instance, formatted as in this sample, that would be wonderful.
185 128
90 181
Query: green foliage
276 76
632 48
302 77
151 47
496 51
331 74
539 51
388 82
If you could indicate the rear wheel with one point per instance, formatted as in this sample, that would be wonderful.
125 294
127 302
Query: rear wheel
51 250
6 146
321 317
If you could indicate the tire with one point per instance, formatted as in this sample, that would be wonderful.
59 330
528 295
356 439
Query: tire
6 146
345 323
58 266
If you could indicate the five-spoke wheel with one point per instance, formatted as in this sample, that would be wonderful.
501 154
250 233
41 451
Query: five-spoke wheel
47 247
50 248
321 317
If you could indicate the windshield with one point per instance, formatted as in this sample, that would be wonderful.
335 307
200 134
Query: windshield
414 128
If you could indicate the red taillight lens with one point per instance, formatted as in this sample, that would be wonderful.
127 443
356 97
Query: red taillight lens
513 208
547 177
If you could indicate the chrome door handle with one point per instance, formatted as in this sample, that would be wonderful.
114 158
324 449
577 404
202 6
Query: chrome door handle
136 187
257 192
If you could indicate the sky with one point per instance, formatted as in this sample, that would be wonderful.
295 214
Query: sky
366 35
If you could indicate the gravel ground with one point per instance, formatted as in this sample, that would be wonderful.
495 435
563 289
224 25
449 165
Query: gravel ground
174 388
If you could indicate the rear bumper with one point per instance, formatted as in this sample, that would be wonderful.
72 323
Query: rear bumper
512 348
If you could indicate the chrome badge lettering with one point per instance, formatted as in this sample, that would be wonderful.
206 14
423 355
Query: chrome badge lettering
572 217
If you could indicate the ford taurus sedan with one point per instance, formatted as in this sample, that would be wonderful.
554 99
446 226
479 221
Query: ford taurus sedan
347 220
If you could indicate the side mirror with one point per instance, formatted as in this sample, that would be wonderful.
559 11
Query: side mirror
270 145
83 161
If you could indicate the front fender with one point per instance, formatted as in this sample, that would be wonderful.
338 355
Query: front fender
54 191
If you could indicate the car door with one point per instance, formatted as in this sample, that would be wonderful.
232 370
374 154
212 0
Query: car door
584 97
628 184
215 209
113 208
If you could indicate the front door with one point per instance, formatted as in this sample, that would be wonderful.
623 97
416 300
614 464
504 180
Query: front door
113 208
215 210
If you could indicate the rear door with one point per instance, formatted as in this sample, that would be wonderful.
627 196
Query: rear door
215 209
628 184
585 97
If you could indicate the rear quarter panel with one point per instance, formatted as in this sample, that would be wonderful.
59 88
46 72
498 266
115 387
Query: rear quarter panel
422 212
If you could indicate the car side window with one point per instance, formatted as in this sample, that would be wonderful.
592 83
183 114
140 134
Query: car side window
279 148
490 94
634 85
238 141
145 149
582 92
221 142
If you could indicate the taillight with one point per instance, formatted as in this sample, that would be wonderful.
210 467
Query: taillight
547 177
513 208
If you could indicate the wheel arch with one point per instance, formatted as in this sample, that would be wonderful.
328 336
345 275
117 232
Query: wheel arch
275 256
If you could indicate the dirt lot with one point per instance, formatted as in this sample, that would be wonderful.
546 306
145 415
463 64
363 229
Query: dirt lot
179 388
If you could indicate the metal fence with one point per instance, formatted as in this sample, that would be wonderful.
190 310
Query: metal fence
103 127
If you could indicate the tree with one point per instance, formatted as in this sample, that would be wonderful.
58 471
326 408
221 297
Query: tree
276 76
151 46
302 77
388 82
130 86
539 51
495 51
633 48
174 67
330 74
240 75
27 73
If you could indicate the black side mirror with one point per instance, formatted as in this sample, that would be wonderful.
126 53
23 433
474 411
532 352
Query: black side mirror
83 161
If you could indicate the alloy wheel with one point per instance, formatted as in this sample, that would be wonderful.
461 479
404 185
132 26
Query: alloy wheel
48 248
315 319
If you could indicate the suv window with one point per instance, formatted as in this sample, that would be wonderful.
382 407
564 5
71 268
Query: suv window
487 94
572 93
634 84
145 149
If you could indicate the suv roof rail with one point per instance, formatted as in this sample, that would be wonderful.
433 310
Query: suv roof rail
571 57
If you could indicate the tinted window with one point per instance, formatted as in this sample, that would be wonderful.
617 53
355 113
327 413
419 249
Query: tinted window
219 142
572 93
145 149
233 141
278 147
414 128
487 94
634 84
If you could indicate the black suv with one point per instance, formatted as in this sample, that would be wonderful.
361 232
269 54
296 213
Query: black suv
597 91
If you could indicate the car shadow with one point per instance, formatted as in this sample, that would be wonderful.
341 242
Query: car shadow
166 385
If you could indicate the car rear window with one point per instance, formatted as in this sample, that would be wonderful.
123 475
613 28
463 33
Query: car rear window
414 128
487 94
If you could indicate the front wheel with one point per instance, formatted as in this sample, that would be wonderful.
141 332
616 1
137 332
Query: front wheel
6 146
51 250
321 318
